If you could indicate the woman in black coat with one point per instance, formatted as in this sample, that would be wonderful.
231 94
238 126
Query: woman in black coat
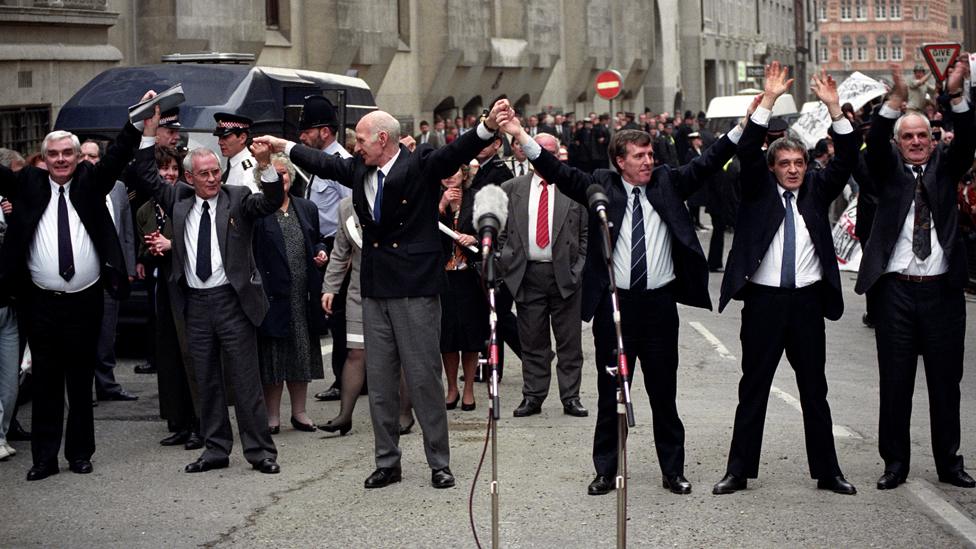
289 253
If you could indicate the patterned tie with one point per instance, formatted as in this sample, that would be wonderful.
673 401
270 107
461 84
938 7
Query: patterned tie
638 248
921 234
542 218
66 258
787 275
378 201
204 268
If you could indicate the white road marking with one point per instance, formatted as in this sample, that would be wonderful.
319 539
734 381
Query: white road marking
932 497
840 431
720 348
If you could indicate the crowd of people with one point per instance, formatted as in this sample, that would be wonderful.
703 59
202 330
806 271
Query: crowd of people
247 266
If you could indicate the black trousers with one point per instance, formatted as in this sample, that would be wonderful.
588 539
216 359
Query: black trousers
774 320
174 377
62 331
912 319
649 323
216 322
716 244
507 324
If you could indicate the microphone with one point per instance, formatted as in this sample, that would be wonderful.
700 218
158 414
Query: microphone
490 214
597 200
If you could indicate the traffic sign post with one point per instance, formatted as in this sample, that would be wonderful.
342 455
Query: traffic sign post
608 85
940 57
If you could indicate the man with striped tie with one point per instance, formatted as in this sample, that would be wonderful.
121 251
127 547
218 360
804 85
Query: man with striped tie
782 266
657 263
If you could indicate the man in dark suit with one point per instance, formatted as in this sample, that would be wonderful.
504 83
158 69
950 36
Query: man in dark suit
914 271
782 265
543 251
598 142
665 152
658 262
219 291
396 194
61 249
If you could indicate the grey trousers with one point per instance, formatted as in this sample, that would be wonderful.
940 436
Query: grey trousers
539 303
216 322
105 383
405 332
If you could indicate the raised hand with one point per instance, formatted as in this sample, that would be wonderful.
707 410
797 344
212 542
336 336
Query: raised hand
501 106
277 144
512 126
261 152
825 88
151 124
777 81
958 73
899 88
752 108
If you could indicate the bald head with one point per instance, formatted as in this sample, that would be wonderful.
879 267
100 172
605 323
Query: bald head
377 138
548 142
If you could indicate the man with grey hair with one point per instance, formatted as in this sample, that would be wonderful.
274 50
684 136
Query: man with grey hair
396 194
782 266
61 249
12 159
914 272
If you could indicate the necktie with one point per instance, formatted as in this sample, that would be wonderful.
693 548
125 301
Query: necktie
542 219
378 201
66 259
638 248
921 234
223 178
787 275
204 268
521 169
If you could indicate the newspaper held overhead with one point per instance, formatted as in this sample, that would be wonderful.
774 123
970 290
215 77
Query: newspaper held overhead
857 90
166 100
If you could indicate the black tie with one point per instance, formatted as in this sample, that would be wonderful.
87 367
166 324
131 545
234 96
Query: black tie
223 178
921 237
638 247
521 169
204 269
66 258
787 274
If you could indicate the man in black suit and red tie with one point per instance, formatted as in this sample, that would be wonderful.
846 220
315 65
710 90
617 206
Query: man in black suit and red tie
914 272
782 266
658 263
60 251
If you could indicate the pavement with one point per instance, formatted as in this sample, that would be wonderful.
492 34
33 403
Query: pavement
138 495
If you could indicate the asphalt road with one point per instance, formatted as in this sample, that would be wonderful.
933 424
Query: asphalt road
138 495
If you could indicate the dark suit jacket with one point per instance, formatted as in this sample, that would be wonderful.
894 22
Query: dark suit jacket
667 191
29 191
235 216
272 262
402 253
761 213
493 172
894 187
568 241
665 153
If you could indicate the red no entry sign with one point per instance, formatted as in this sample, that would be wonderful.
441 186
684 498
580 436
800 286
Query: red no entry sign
608 84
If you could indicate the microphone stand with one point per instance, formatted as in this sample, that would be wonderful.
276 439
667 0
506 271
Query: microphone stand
494 412
625 407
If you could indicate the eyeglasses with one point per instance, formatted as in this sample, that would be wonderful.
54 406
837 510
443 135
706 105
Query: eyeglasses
215 174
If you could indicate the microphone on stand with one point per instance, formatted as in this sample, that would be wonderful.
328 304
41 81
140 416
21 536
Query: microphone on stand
490 214
598 202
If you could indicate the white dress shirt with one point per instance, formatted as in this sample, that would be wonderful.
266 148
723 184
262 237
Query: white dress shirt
43 259
241 170
525 165
657 237
807 265
535 192
369 185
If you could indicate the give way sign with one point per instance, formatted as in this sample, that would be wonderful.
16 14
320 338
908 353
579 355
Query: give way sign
940 57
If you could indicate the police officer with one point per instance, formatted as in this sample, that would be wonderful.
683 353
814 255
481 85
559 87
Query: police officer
233 132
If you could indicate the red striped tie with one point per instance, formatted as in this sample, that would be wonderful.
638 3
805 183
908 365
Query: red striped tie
542 223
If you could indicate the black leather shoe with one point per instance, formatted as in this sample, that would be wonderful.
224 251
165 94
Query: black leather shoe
527 408
120 395
572 407
80 466
729 484
267 466
202 465
405 429
958 478
147 368
601 485
332 393
384 476
298 425
195 442
442 478
17 432
41 472
176 439
838 485
275 429
890 480
678 484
